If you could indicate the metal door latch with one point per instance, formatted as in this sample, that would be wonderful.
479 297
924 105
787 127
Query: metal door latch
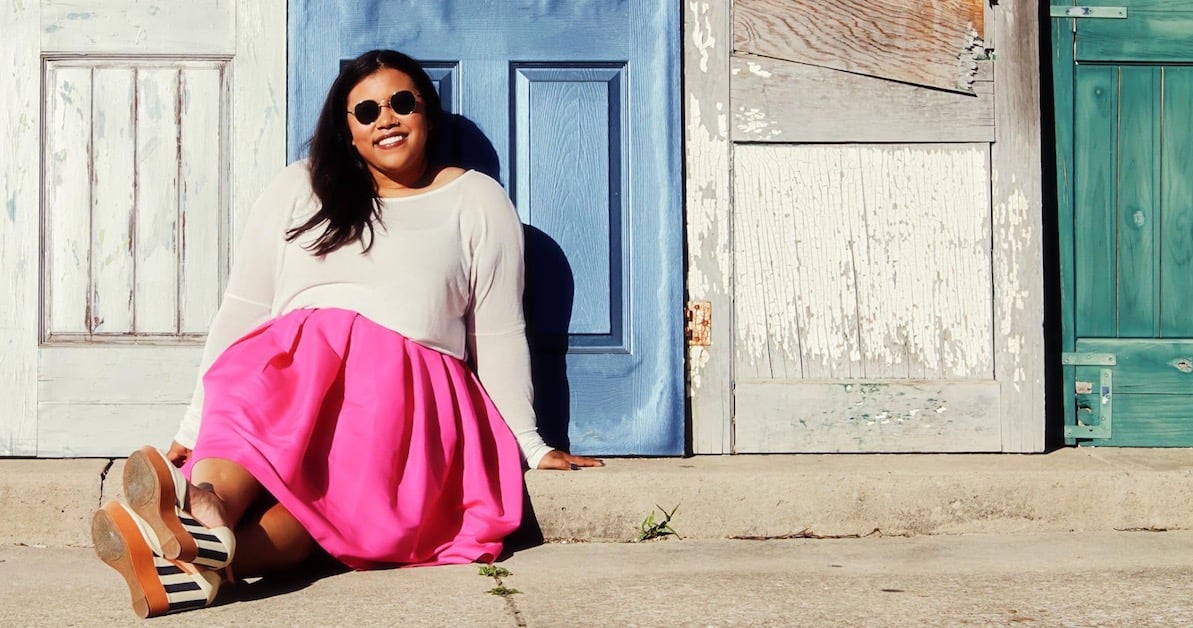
1115 13
1094 408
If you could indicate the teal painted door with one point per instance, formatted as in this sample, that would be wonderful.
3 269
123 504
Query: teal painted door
1124 97
574 107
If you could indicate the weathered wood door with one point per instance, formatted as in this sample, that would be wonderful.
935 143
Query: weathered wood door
579 101
133 131
1124 103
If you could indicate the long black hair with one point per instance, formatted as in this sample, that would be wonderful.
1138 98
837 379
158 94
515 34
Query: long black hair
340 178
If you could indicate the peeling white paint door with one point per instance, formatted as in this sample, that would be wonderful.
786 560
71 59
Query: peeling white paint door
135 131
864 312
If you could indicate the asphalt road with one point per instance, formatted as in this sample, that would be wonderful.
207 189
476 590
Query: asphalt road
1137 578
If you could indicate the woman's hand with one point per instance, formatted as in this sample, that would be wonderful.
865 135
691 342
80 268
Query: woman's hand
178 454
562 460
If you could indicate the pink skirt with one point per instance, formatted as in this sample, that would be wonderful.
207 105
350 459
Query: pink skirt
387 452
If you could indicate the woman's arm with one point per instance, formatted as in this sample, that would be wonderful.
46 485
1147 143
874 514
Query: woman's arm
497 329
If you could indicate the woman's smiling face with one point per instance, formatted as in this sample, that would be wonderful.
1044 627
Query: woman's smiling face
395 145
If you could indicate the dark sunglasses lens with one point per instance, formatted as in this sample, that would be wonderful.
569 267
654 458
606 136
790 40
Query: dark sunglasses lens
366 112
402 102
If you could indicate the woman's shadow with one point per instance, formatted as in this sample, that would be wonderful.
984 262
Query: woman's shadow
547 302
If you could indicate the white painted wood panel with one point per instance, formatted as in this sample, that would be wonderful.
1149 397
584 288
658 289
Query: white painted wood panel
1018 228
113 210
118 374
781 101
856 261
75 430
201 203
20 219
138 27
707 151
868 416
155 238
67 198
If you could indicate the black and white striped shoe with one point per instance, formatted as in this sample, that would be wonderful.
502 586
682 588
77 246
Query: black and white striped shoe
156 492
156 585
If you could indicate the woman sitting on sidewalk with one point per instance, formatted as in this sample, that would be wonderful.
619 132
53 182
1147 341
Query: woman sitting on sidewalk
336 405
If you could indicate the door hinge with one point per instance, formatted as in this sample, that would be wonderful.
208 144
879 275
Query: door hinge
698 323
1113 13
1093 407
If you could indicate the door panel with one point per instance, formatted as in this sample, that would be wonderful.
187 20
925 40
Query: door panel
566 96
1132 229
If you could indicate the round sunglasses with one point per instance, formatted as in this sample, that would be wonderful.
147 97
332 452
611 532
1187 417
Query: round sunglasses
401 102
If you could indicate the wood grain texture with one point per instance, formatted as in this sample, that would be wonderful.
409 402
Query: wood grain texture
1176 198
1136 220
868 417
67 197
1096 141
1154 31
862 262
20 216
113 211
709 206
782 101
1147 366
923 43
202 209
136 27
1018 227
155 236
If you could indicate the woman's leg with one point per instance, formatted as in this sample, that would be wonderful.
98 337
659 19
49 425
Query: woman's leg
268 538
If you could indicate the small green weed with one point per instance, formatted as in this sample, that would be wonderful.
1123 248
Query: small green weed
503 591
651 529
493 571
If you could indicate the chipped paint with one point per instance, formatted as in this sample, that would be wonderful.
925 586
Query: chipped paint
753 120
1013 216
972 49
757 70
702 33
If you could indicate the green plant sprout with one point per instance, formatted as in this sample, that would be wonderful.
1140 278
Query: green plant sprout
652 529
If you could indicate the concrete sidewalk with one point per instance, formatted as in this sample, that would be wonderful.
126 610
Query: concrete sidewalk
50 502
1071 579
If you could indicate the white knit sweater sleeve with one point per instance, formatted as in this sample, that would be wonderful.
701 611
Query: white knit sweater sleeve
248 299
496 326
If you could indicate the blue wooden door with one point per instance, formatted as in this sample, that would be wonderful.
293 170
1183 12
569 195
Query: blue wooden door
573 106
1124 98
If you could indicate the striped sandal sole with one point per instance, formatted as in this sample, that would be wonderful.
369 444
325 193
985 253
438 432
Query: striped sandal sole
157 586
156 491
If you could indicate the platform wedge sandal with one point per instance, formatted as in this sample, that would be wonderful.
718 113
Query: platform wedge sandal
156 585
156 491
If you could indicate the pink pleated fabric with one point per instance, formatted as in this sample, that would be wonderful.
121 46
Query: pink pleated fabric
387 452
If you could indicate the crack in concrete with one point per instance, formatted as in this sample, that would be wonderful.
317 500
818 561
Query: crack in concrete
512 605
103 477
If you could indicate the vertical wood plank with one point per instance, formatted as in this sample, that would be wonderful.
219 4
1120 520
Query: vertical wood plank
258 120
155 234
1096 120
112 209
201 207
1017 227
1176 260
20 124
1138 201
68 200
1063 82
709 212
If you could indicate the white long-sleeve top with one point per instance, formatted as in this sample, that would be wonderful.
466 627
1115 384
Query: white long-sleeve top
444 270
